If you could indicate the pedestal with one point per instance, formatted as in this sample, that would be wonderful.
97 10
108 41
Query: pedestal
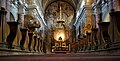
35 42
41 45
30 34
116 18
89 41
44 46
81 44
104 29
115 28
38 47
85 41
22 41
13 31
94 38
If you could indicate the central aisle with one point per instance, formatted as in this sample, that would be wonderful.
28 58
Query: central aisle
61 57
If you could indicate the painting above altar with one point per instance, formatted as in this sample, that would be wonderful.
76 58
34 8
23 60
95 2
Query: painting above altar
52 13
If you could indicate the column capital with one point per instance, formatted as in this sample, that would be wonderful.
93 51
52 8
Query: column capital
3 11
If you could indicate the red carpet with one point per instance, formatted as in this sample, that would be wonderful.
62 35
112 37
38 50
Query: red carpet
61 57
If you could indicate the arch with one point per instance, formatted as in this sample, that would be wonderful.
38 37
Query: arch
47 5
53 12
12 18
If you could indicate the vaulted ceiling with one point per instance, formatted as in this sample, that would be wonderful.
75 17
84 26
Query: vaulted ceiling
51 13
46 3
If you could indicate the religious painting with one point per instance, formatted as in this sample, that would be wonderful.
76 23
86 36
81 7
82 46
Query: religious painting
52 13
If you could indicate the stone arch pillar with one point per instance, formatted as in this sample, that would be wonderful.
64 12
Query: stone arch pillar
3 13
89 20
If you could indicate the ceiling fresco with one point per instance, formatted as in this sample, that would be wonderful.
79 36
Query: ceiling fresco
52 13
46 3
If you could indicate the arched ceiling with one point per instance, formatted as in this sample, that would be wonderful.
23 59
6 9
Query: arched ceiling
54 13
46 3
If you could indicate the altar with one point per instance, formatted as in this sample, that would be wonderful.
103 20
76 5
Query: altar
60 46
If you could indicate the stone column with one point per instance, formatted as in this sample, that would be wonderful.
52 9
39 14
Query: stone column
3 13
3 3
21 27
21 15
89 16
89 20
8 10
99 20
